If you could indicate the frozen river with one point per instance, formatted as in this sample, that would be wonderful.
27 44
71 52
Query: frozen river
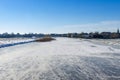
63 59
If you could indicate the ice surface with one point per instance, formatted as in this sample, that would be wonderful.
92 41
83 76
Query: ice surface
6 42
63 59
110 42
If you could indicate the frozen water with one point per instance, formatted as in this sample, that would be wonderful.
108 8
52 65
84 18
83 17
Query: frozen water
110 42
63 59
6 42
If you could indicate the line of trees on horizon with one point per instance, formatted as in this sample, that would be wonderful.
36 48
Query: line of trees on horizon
12 35
102 35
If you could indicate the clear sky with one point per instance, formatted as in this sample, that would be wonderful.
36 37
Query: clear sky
59 16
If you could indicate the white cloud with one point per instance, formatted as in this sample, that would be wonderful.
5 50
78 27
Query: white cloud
102 24
92 27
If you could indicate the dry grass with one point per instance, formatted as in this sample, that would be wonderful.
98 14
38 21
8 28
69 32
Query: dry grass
45 39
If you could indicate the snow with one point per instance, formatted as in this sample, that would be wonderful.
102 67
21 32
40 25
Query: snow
63 59
110 42
6 42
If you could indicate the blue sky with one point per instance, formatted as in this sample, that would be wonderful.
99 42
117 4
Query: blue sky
59 16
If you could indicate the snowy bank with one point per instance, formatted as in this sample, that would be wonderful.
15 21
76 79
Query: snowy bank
6 42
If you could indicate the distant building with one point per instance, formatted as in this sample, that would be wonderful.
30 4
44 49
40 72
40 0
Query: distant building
118 31
115 35
106 35
84 35
91 35
69 35
72 35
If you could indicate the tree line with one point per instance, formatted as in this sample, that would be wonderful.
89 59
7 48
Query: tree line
12 35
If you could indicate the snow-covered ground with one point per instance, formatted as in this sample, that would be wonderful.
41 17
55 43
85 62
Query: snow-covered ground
5 42
63 59
110 42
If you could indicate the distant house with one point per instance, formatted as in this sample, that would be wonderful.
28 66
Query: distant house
106 35
84 35
64 35
69 35
115 35
72 35
75 35
91 35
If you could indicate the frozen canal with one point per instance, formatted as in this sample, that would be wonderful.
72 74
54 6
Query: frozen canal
63 59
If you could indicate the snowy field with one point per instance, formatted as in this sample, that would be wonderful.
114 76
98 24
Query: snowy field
63 59
110 42
6 42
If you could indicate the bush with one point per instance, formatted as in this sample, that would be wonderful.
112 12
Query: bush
45 39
